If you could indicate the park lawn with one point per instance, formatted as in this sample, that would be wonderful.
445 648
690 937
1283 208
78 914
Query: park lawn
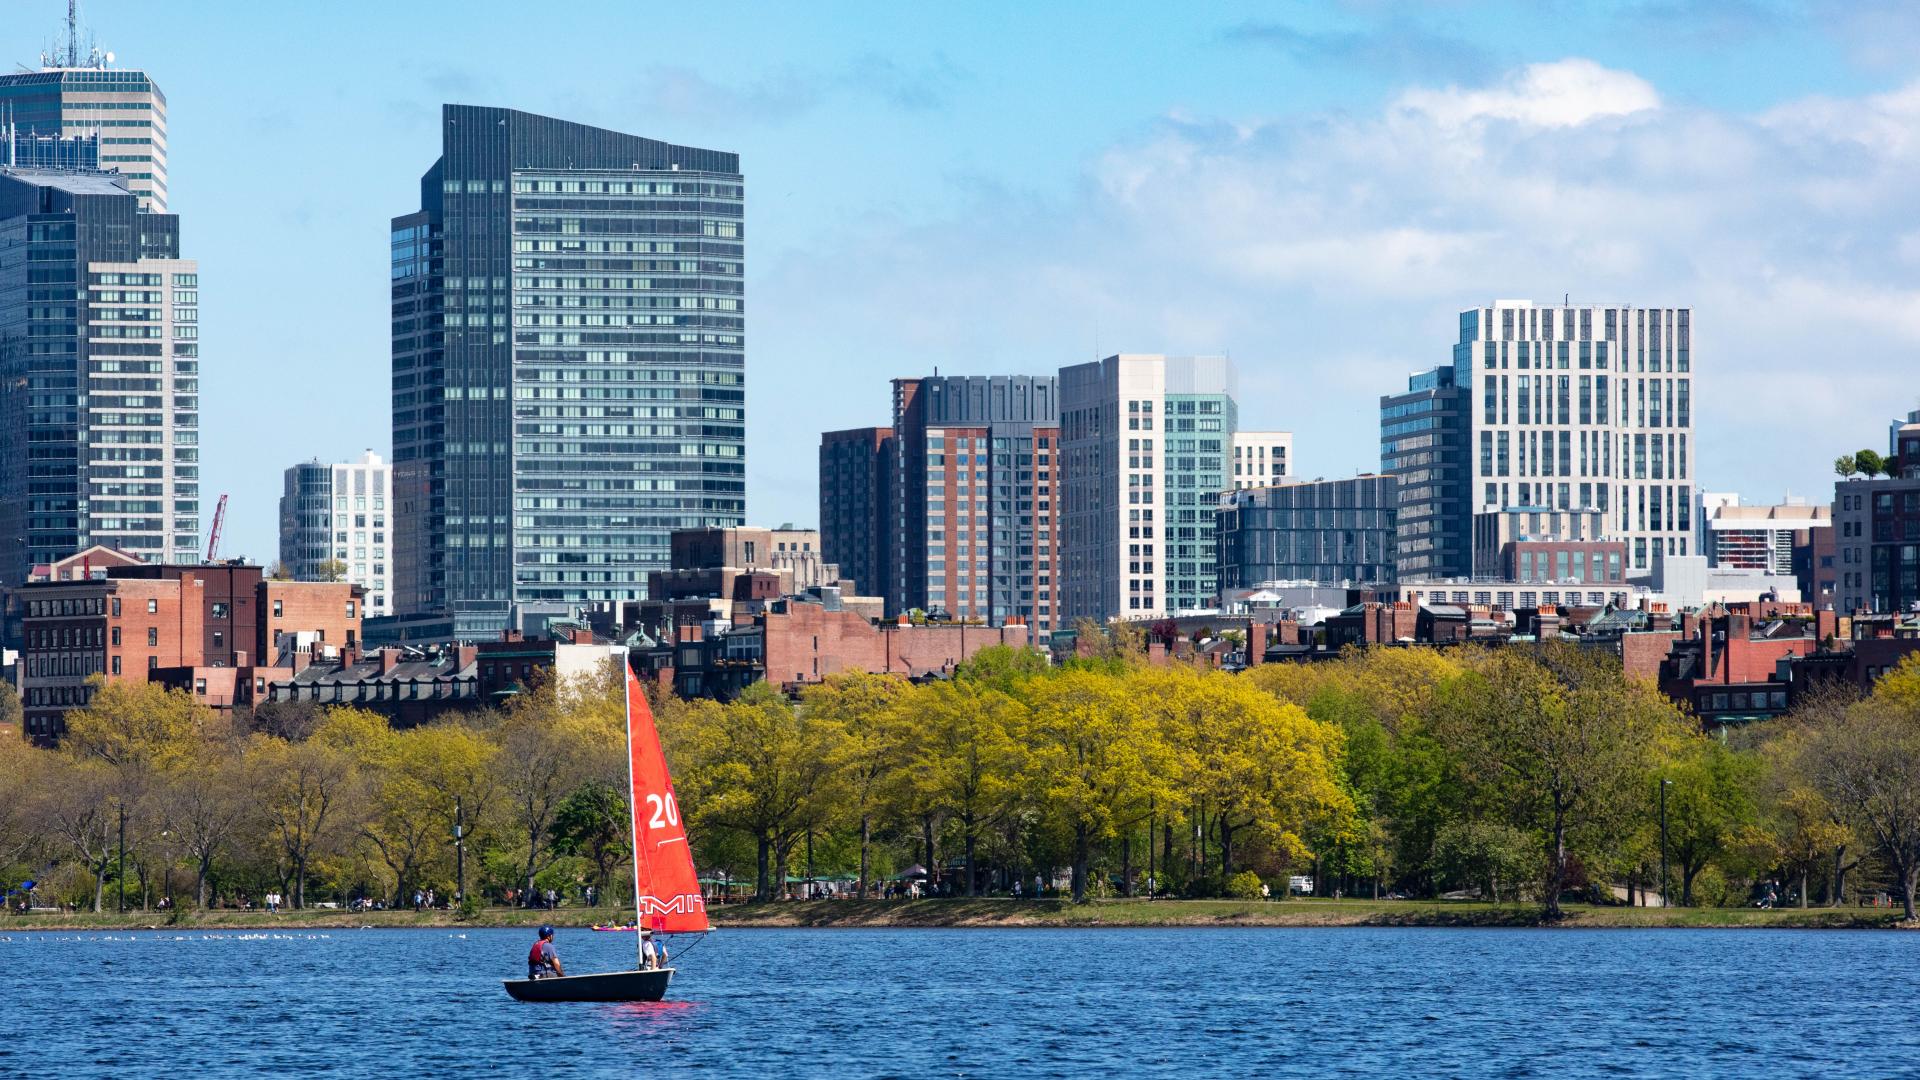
999 912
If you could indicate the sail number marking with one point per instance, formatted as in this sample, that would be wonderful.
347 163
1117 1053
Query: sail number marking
666 812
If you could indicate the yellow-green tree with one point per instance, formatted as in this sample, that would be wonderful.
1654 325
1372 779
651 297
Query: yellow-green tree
768 771
964 757
417 780
1250 762
1095 760
308 791
863 707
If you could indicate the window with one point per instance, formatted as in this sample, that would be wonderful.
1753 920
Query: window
219 639
153 607
116 637
200 687
116 665
116 605
219 611
152 662
277 612
349 609
153 637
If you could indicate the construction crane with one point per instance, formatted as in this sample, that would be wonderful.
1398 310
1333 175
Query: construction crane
213 537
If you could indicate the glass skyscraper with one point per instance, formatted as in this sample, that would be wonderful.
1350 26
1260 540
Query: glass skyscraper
99 373
124 109
568 363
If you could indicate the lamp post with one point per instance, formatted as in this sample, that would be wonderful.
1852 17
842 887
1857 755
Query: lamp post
459 854
1664 785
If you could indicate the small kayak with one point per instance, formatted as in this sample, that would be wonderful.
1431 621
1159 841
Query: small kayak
615 929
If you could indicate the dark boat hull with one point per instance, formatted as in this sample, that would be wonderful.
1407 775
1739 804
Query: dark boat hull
607 986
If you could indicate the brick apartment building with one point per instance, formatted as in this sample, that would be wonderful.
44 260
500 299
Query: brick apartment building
132 621
800 640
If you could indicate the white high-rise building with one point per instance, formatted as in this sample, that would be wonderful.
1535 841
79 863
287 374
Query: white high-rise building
1145 448
340 515
1584 407
1261 458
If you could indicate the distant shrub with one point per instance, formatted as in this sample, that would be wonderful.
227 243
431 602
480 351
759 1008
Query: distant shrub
1244 885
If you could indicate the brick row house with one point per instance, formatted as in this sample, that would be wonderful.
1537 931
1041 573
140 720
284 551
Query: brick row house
168 623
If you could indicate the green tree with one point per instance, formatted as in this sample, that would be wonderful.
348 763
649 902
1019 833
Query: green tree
1562 745
1846 467
1866 763
1712 801
1869 462
592 823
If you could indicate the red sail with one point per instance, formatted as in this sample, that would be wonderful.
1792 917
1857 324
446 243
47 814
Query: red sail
663 875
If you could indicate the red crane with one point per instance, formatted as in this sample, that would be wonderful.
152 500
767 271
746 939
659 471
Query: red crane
213 537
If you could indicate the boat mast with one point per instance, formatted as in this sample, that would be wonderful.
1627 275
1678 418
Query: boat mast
633 814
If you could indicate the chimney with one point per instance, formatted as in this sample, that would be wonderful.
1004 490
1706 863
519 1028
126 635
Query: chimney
240 658
1826 624
389 659
511 636
1256 642
464 657
581 635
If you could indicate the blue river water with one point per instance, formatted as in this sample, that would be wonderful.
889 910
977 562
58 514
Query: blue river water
973 1003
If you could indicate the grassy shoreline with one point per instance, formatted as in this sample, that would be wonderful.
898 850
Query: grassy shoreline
995 913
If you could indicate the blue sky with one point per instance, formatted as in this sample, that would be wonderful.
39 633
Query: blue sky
1313 189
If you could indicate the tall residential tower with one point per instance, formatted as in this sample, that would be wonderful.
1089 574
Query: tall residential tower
1588 407
340 514
1145 442
568 363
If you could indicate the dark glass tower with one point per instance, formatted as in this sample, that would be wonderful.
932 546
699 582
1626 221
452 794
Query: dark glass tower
568 363
1423 445
99 373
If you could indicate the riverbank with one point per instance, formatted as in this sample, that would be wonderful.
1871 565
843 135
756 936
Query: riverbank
1010 914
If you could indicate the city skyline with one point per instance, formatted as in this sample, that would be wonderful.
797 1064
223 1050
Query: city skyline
1296 148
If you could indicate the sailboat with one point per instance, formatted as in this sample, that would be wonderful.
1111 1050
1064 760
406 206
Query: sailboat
665 887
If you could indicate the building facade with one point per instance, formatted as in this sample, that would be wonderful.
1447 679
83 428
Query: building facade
1145 440
334 524
856 504
99 373
1261 458
1424 442
123 109
1576 407
1876 536
1325 531
1763 538
568 363
126 621
975 519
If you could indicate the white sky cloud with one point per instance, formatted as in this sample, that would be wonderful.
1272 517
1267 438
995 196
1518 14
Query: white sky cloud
1565 93
1330 254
